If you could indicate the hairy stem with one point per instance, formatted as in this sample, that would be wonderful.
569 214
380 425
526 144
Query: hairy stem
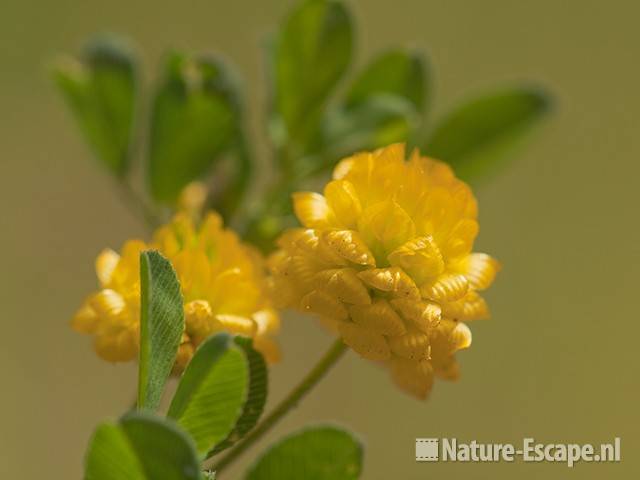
308 382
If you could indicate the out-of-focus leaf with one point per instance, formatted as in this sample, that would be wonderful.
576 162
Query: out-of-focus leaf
320 453
221 394
400 73
141 447
475 137
161 326
311 53
100 89
374 123
194 121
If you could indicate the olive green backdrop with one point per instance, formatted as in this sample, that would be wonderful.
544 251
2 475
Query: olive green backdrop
559 359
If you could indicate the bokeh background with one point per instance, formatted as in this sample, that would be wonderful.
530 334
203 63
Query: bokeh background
558 361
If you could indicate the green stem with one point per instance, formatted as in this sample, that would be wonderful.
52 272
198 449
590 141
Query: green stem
313 377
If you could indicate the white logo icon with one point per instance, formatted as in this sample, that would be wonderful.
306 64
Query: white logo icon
426 449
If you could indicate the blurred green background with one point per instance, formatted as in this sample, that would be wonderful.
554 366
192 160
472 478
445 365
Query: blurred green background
557 362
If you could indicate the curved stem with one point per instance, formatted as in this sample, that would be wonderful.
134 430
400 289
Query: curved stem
313 377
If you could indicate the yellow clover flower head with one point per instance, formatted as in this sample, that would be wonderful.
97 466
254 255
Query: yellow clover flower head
222 284
385 258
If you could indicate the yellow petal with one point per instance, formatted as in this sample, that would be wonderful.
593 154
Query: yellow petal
415 378
344 285
461 337
301 269
480 270
117 344
194 273
446 368
234 292
236 324
312 210
198 318
281 292
471 307
107 303
85 320
323 304
378 317
348 245
423 315
446 288
267 320
342 198
385 226
106 263
461 238
420 257
449 337
392 280
413 345
369 344
434 216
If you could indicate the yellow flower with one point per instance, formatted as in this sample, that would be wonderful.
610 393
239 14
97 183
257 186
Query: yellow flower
385 258
221 280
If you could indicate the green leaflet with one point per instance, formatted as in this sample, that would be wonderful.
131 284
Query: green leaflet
161 326
474 137
221 394
100 89
195 119
311 53
141 447
318 453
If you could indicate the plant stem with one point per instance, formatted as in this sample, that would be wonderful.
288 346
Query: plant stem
313 377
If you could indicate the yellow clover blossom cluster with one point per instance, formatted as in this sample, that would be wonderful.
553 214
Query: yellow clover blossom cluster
386 258
221 280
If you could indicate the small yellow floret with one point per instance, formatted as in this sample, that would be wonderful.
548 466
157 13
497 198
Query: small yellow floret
221 280
385 258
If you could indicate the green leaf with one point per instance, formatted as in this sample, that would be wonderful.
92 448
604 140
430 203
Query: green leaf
100 89
141 447
221 394
256 396
161 326
380 121
400 73
475 137
194 121
311 54
319 453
